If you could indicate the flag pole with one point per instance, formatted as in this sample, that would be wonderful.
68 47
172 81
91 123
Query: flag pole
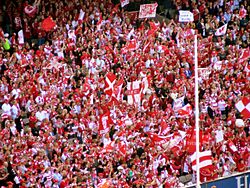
196 113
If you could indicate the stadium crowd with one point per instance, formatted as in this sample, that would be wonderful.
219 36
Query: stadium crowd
64 124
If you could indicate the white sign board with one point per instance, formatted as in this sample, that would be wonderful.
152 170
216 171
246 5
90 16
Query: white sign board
186 16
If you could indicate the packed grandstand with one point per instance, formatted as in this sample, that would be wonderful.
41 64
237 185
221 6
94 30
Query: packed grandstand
93 95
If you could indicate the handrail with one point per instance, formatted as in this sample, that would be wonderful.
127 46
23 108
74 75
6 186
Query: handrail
220 178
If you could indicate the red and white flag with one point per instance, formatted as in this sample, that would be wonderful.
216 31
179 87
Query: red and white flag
130 46
243 106
133 93
124 3
81 16
157 139
221 30
117 92
105 123
109 147
218 65
164 128
148 10
232 146
178 103
191 141
185 110
122 148
20 37
245 54
105 183
205 159
109 83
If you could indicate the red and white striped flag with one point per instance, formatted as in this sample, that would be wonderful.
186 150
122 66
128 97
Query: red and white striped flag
205 159
221 30
109 83
243 106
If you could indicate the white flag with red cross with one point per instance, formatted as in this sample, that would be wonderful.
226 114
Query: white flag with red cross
221 30
134 93
148 10
243 106
109 83
124 3
205 159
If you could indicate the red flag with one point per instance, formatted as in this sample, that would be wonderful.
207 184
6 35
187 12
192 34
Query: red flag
243 106
109 147
109 83
122 147
116 94
157 139
48 24
191 142
232 146
185 110
105 123
164 128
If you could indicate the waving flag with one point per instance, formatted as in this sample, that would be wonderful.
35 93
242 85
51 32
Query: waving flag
134 94
221 30
205 159
117 92
48 24
124 3
148 10
20 37
243 106
109 83
105 123
185 110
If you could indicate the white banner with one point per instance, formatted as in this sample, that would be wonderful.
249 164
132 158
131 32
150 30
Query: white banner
186 16
20 37
124 3
148 10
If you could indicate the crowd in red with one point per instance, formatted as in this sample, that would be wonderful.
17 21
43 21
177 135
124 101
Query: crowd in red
53 99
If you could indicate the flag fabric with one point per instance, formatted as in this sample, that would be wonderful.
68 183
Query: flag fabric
133 93
148 10
185 110
48 24
117 91
30 10
217 65
105 123
178 103
20 37
204 73
245 54
122 148
124 3
221 30
81 16
157 139
205 159
164 128
130 46
191 141
109 83
105 183
243 106
232 146
109 147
